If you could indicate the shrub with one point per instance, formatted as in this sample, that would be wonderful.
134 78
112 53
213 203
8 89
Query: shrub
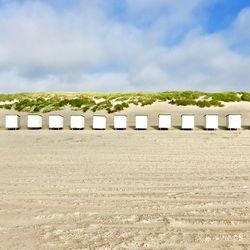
7 97
203 104
122 99
23 104
63 103
118 107
86 108
78 103
125 105
6 106
245 96
105 105
225 97
185 102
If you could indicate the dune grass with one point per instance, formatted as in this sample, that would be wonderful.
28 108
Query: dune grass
113 102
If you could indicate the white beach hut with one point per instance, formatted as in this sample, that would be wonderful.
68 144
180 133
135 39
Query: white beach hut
120 121
141 122
77 122
12 122
187 121
55 122
34 121
233 121
164 121
211 122
99 122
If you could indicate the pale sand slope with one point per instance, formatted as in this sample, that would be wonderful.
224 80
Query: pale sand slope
124 189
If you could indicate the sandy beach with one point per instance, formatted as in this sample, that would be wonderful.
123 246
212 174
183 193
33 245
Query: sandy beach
127 189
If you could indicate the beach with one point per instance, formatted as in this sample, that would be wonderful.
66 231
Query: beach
127 189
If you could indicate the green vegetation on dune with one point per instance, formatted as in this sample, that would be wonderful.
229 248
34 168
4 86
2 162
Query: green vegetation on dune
245 97
113 102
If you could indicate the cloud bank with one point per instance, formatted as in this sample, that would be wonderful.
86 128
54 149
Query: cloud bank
143 45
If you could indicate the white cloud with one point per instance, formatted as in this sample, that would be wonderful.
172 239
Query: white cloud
239 33
81 48
242 23
206 63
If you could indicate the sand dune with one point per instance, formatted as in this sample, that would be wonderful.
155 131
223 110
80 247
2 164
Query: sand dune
152 111
125 189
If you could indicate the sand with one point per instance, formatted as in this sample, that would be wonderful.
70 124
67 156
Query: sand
126 189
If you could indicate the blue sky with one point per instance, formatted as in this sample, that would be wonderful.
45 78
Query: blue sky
221 14
124 45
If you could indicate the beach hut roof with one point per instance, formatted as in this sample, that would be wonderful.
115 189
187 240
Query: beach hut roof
100 115
12 115
34 115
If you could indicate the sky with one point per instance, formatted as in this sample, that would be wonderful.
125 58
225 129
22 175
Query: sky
124 45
